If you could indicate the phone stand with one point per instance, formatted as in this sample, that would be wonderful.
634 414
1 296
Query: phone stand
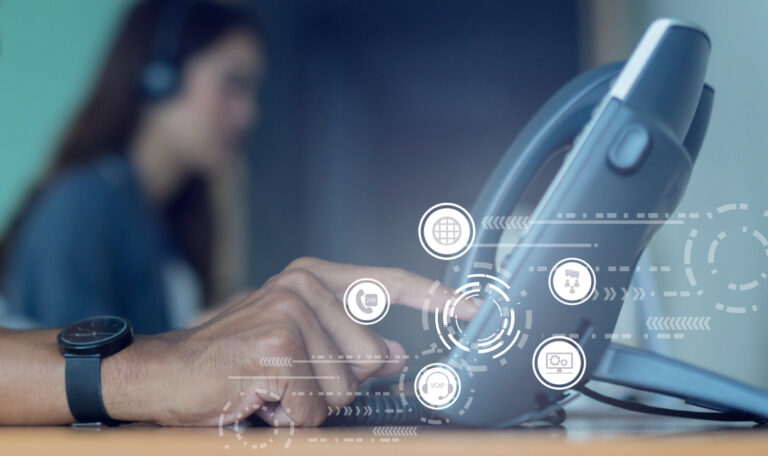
647 371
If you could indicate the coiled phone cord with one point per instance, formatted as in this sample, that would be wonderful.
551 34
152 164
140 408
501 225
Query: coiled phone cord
390 411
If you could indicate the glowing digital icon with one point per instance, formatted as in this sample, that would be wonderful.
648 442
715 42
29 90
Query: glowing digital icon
437 386
572 281
366 301
446 231
559 363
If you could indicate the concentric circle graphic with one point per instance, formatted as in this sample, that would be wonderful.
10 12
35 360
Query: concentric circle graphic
446 231
725 258
480 287
505 328
281 433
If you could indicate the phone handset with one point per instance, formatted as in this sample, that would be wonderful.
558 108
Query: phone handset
366 303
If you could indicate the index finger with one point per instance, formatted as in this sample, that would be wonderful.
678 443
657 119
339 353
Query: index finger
404 287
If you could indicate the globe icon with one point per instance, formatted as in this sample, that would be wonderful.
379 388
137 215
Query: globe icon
446 231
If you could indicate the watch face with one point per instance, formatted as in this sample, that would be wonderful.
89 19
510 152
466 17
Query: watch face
94 331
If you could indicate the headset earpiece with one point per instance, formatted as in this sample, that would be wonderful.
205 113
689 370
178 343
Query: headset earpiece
160 75
159 79
425 386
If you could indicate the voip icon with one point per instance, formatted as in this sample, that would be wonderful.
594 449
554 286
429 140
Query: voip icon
437 386
435 382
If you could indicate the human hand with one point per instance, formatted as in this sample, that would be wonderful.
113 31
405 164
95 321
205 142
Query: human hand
298 316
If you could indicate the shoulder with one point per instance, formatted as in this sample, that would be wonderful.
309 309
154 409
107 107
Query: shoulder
79 201
85 191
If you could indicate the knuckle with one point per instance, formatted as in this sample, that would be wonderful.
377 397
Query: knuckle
301 263
299 278
285 301
281 340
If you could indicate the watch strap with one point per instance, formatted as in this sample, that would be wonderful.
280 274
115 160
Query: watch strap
83 385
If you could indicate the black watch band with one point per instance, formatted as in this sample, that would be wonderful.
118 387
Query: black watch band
83 384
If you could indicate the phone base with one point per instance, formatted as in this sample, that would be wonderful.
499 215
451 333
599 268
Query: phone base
648 371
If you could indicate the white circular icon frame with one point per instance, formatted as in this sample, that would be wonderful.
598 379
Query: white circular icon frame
437 212
592 275
572 382
433 368
348 301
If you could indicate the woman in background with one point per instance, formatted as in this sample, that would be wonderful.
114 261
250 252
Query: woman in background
121 223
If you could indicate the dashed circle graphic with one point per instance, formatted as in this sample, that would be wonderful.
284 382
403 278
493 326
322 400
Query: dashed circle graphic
702 274
281 434
515 319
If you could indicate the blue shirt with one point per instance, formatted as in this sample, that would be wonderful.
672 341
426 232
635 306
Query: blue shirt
92 245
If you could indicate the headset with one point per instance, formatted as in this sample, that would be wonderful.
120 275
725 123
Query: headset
160 76
621 138
425 387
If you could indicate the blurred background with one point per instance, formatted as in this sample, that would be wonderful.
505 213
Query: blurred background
373 111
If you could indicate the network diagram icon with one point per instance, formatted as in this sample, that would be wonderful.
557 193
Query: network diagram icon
572 281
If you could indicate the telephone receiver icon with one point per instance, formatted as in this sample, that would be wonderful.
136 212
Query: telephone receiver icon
366 303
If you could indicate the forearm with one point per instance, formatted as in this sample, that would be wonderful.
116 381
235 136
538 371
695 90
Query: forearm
32 387
32 379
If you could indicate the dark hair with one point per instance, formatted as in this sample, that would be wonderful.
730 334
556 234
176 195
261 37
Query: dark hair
110 116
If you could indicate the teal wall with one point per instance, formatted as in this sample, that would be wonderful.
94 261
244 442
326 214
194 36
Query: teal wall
49 50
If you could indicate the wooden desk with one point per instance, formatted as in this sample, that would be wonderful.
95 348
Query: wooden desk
618 434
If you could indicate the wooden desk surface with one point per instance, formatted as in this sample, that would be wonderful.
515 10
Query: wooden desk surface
622 434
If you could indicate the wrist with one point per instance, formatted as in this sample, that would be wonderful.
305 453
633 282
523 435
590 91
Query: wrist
132 380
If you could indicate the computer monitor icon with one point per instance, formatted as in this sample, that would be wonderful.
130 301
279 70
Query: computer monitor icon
559 361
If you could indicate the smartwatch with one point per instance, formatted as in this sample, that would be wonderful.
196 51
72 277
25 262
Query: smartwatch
84 345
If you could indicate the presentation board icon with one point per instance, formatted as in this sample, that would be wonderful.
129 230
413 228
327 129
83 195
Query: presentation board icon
446 231
437 386
366 301
559 363
572 281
